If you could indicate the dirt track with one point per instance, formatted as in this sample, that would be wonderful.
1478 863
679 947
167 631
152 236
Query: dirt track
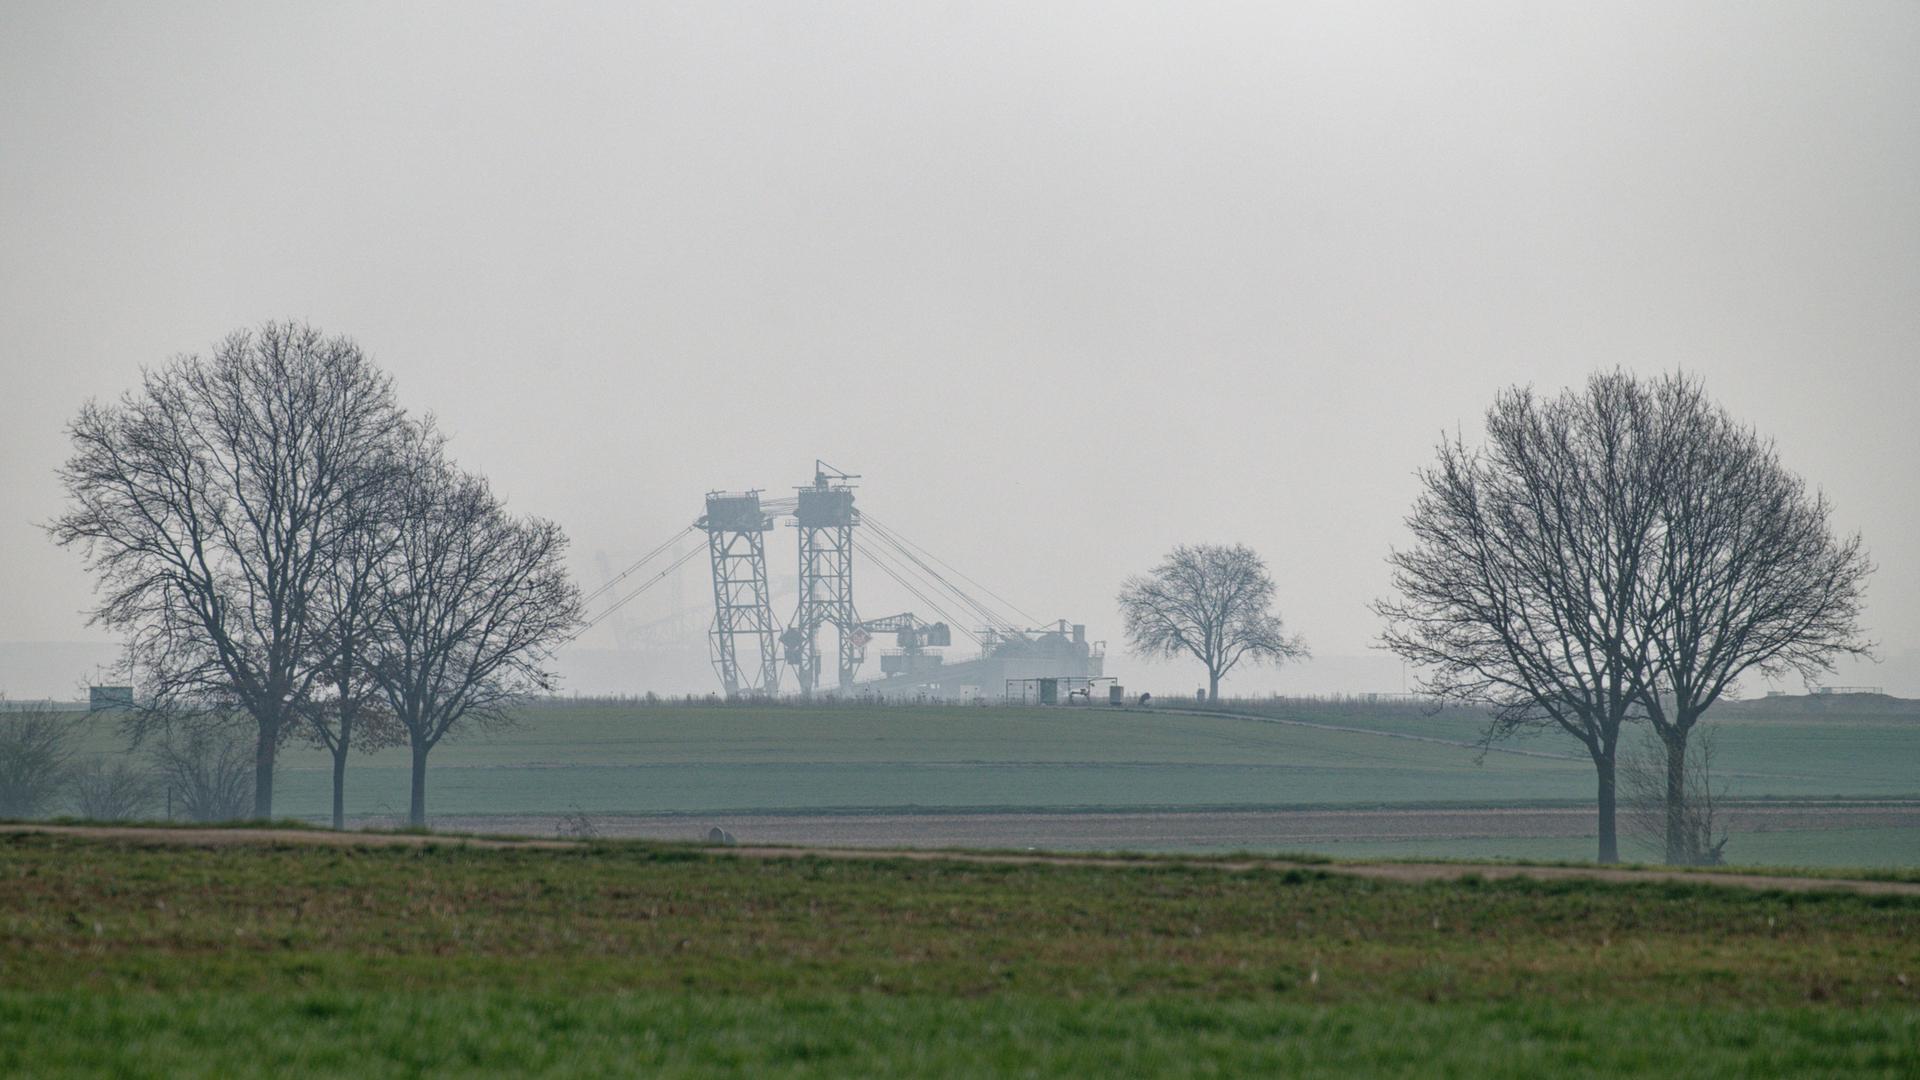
1407 872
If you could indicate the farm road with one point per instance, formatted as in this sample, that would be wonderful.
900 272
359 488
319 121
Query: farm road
1404 872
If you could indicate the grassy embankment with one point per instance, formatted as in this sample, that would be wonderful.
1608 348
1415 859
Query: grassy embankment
255 959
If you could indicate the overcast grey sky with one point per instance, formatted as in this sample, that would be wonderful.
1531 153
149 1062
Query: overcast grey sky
1067 284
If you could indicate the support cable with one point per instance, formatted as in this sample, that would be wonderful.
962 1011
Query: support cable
934 580
957 624
648 584
991 617
897 535
889 567
903 566
642 561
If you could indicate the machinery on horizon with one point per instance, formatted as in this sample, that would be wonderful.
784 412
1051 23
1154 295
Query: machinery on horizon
736 525
825 516
748 646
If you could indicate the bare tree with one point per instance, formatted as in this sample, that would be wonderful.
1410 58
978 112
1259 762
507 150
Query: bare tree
1750 578
210 502
576 824
1644 782
472 600
1624 551
350 715
36 753
114 790
1211 602
1530 553
345 708
206 770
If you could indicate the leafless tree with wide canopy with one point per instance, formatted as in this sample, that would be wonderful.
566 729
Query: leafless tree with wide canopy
1212 602
211 503
1622 551
1520 591
1750 578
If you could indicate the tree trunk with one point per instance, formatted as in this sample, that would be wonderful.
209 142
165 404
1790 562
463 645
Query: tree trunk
263 768
417 813
1679 844
1609 835
340 769
340 786
1213 685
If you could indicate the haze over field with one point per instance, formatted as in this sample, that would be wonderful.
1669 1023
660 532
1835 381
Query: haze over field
1555 362
1067 288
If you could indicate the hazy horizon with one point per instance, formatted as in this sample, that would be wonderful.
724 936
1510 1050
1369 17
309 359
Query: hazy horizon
1066 289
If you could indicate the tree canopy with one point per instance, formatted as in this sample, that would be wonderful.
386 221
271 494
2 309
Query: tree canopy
1624 550
1211 602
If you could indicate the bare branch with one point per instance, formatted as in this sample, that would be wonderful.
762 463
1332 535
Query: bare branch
472 598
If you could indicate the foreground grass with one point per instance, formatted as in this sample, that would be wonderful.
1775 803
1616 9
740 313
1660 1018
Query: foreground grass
407 1035
255 959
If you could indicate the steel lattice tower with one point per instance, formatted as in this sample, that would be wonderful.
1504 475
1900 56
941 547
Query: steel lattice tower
736 529
825 517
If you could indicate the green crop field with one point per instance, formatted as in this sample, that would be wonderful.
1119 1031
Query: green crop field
675 759
254 959
611 759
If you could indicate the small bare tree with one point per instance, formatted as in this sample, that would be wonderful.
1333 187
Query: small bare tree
206 770
472 600
209 505
116 789
1749 578
1644 781
1211 602
36 754
576 824
347 716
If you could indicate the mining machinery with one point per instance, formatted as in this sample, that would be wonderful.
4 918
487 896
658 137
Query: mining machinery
736 525
825 516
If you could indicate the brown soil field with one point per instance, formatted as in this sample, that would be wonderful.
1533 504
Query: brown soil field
1170 830
1393 871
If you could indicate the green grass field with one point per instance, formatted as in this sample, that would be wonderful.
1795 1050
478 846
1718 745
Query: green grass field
260 959
672 759
691 759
